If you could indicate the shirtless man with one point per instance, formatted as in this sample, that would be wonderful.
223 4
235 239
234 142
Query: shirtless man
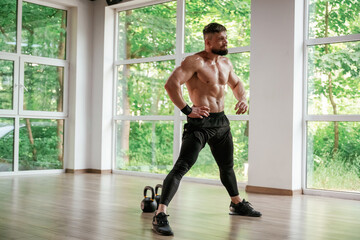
205 74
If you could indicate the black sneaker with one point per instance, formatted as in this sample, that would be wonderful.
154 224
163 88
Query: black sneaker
161 225
244 209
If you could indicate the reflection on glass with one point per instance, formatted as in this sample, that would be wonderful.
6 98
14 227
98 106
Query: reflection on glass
141 89
334 79
145 146
206 167
43 31
6 144
41 144
6 84
333 18
8 25
333 157
147 32
234 15
44 87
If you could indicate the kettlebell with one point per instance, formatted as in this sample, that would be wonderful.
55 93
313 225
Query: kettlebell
157 196
148 204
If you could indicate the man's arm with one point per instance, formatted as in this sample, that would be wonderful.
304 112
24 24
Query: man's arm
238 90
181 75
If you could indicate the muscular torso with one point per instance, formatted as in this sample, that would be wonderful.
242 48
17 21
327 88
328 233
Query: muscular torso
207 86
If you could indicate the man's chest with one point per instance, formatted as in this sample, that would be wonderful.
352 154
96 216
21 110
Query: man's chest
214 74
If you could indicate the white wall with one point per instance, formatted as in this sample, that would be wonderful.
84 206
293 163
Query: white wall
276 94
82 85
78 124
101 101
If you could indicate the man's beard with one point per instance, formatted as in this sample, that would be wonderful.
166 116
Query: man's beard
219 52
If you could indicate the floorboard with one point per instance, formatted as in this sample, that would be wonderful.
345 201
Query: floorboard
94 206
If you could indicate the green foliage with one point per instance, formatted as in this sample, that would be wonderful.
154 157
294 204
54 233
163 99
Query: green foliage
342 15
8 25
148 31
43 30
334 72
6 84
46 141
334 88
43 33
241 64
341 65
142 87
150 146
322 159
234 15
43 87
335 175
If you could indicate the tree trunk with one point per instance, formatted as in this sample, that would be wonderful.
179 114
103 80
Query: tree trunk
154 111
331 96
31 138
125 125
60 73
27 120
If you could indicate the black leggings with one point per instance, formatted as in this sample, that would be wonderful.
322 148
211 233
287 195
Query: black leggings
215 131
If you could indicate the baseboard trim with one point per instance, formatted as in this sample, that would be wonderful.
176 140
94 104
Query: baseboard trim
272 191
88 170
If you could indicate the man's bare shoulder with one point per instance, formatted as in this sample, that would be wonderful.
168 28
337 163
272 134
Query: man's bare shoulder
195 61
225 60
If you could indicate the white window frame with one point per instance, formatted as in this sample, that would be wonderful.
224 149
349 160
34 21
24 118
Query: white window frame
180 54
321 118
17 112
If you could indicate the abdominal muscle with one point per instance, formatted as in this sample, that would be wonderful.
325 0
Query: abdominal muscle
209 96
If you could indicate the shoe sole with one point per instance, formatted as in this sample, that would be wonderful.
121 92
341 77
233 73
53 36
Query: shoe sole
163 234
235 213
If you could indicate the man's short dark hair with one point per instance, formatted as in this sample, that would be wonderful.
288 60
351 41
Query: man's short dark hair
213 28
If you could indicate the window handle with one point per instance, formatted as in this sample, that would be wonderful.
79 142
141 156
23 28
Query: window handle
21 86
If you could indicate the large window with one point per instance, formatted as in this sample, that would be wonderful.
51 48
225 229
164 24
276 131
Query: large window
152 40
33 85
332 115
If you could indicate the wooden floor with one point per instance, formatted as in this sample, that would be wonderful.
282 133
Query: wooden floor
94 206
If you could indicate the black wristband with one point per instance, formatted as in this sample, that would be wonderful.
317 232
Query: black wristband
186 110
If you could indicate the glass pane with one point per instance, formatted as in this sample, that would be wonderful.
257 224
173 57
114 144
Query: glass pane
43 31
333 156
234 15
41 144
206 167
44 87
145 146
6 84
8 25
6 144
241 64
141 91
333 18
147 32
334 78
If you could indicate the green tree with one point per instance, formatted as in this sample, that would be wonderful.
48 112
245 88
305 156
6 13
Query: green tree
43 34
335 18
150 32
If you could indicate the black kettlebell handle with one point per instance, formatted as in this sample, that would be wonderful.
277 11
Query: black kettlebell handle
157 188
152 192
